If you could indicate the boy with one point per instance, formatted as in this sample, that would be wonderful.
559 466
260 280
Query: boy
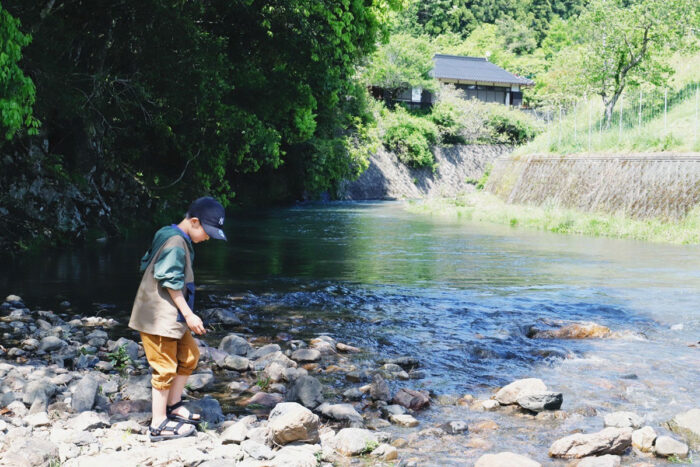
162 313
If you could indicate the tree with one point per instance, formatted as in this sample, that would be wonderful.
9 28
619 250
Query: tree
630 42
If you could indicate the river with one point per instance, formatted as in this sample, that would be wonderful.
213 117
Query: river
459 296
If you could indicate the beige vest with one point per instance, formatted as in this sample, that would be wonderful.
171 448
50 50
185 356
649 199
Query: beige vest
154 311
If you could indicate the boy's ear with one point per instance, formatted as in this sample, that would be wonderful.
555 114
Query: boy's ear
194 221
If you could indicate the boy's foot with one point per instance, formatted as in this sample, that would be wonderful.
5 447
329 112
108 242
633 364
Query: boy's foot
179 412
170 429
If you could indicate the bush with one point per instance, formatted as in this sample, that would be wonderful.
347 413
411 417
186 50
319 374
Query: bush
459 121
410 137
511 125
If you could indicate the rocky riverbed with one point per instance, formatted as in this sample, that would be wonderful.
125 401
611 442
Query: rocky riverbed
74 393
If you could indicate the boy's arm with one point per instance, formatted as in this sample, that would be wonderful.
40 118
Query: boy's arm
193 321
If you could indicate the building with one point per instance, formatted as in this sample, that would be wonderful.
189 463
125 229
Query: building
476 76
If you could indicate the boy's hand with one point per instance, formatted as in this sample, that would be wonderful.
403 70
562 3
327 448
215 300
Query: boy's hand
195 324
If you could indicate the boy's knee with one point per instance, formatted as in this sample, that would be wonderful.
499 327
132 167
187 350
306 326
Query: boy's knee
163 381
189 359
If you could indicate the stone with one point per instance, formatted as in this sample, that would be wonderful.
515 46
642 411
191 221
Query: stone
506 459
687 425
623 420
608 460
308 391
290 422
109 387
84 394
88 421
414 400
341 413
208 408
297 456
129 406
40 389
275 372
352 394
586 330
354 441
79 438
37 419
643 439
608 441
538 402
51 344
324 344
31 452
379 389
509 394
130 347
385 452
265 399
234 362
235 345
455 427
264 350
237 432
407 363
257 450
224 316
665 446
306 355
346 348
237 387
404 420
260 363
490 404
200 381
17 408
393 409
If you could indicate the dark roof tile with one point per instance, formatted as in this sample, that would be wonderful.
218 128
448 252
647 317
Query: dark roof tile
473 69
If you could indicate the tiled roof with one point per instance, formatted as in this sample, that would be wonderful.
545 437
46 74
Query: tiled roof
473 69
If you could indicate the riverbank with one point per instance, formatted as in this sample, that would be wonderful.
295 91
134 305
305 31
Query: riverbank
485 207
74 395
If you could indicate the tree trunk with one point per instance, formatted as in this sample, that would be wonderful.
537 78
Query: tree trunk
610 106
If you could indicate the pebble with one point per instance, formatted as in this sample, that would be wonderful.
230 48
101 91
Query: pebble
404 420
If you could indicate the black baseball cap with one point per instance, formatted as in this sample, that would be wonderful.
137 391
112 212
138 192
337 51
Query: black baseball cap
211 215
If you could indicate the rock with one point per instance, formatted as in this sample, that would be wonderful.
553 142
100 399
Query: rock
643 439
353 394
538 402
379 389
109 387
623 420
275 372
665 446
308 391
687 424
97 338
128 406
79 438
505 459
490 404
137 388
385 452
14 300
347 348
17 408
587 330
607 460
40 389
509 394
209 409
31 452
235 345
234 362
37 419
200 381
306 355
85 362
297 456
130 347
407 363
455 427
264 350
290 422
265 399
324 344
342 413
256 450
88 421
354 441
51 344
404 420
84 395
237 387
414 400
224 316
237 432
262 362
608 441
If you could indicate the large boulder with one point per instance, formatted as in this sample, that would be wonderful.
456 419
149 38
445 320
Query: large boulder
687 424
540 401
414 400
290 422
342 413
307 390
505 459
84 394
607 441
354 441
235 345
509 394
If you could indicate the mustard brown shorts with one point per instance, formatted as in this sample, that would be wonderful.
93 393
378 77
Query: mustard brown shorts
169 357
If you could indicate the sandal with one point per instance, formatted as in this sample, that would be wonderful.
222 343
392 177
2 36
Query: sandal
189 419
156 434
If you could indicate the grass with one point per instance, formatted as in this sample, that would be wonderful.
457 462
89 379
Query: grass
485 207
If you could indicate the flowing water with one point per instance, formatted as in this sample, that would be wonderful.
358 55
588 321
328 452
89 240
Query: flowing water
459 296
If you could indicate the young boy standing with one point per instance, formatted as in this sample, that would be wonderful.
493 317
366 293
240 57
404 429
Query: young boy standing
162 314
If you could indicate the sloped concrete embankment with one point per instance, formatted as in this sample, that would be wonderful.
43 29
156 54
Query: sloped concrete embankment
660 185
388 178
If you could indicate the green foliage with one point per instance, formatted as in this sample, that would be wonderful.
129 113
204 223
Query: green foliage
410 137
459 121
369 447
484 178
263 382
17 92
510 125
119 358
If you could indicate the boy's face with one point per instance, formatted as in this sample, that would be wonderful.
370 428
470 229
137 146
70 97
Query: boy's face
197 233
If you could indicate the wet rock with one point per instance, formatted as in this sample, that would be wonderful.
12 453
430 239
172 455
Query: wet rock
414 400
237 387
200 381
14 300
587 330
52 344
308 391
31 452
88 421
352 394
417 374
643 439
260 363
237 432
385 452
291 374
607 460
608 441
324 344
354 441
687 425
130 347
509 394
224 316
304 455
490 405
275 372
265 399
290 422
306 355
404 420
393 409
235 345
665 446
234 362
407 363
30 344
357 376
623 420
538 402
84 395
455 427
126 407
209 409
505 459
257 450
342 413
347 348
379 389
377 424
264 350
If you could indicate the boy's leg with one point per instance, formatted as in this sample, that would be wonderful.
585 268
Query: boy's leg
187 359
